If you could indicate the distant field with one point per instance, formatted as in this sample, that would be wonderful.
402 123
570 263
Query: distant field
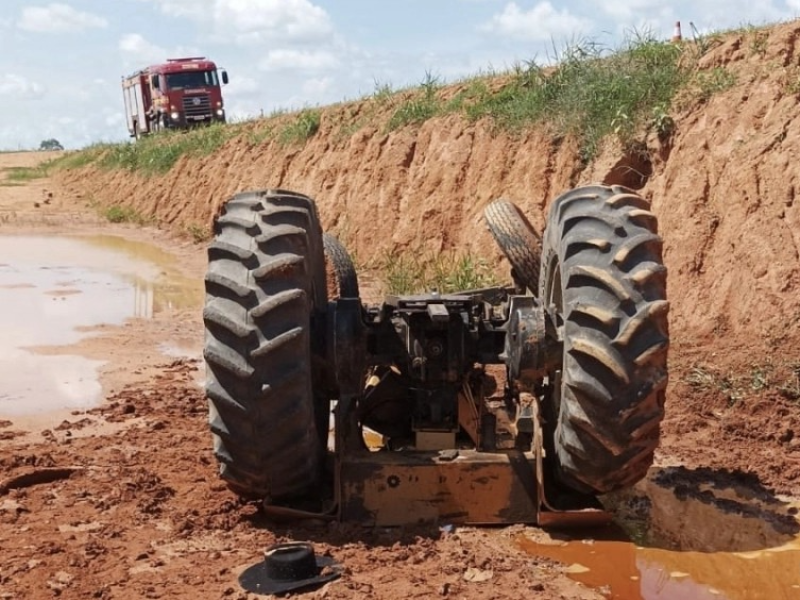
10 160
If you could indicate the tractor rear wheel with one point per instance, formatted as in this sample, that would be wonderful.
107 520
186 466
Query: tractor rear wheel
602 270
265 295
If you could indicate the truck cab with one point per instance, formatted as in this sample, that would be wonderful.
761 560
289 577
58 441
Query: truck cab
178 94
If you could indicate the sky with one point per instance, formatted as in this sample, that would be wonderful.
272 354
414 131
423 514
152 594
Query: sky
61 62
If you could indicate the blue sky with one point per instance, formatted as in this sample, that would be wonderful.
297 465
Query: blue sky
61 62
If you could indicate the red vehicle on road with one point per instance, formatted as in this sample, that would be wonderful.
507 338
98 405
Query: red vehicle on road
177 94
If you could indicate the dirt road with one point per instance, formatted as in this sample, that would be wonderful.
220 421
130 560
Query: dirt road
122 500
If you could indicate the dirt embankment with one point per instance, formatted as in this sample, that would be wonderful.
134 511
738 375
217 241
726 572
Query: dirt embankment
124 500
722 185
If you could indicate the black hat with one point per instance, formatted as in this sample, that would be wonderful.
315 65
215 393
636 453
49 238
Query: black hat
288 567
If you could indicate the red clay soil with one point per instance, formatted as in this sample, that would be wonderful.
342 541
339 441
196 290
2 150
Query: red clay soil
142 513
722 186
124 501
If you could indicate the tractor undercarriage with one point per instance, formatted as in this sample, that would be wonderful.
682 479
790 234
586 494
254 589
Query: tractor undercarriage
503 405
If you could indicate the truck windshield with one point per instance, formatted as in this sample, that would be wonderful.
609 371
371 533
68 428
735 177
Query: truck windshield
191 79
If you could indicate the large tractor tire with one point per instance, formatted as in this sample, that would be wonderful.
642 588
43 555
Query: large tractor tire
602 270
517 239
265 298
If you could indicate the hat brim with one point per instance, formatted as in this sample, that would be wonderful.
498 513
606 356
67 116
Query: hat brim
255 579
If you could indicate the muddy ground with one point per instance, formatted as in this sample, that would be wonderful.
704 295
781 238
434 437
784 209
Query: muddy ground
123 501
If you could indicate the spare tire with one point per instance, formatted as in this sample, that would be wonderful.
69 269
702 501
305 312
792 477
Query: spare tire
517 239
265 293
342 267
602 271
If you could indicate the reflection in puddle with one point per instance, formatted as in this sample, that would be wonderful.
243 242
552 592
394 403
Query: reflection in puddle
53 290
701 536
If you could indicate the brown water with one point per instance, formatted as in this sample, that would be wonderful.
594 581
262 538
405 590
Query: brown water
697 538
54 291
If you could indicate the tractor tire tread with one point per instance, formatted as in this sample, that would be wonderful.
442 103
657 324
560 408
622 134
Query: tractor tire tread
613 302
266 443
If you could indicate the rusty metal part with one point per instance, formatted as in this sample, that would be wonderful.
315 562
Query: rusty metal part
532 346
459 487
423 351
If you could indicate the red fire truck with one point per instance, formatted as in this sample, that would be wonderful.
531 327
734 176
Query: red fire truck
179 93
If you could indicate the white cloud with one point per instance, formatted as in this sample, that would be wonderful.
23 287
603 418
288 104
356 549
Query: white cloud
19 86
139 49
115 120
541 23
58 18
298 60
138 52
255 21
290 19
183 8
711 15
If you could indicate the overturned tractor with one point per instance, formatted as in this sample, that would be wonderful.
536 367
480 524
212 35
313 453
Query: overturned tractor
425 428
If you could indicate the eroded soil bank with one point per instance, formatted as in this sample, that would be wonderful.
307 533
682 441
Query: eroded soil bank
139 512
721 184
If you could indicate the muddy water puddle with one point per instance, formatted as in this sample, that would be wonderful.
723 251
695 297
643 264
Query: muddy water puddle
56 291
685 535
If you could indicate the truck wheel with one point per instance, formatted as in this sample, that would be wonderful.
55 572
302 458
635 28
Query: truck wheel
602 271
263 305
343 268
517 239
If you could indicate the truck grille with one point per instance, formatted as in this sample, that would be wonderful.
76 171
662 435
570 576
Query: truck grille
198 106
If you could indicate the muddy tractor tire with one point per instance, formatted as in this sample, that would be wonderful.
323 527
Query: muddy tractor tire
602 270
265 291
342 265
517 239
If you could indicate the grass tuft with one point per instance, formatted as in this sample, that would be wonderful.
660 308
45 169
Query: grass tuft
77 159
448 272
125 214
708 83
423 104
301 128
19 175
782 377
198 233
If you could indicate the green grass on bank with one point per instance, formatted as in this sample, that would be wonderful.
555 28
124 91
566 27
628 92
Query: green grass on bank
590 92
157 154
